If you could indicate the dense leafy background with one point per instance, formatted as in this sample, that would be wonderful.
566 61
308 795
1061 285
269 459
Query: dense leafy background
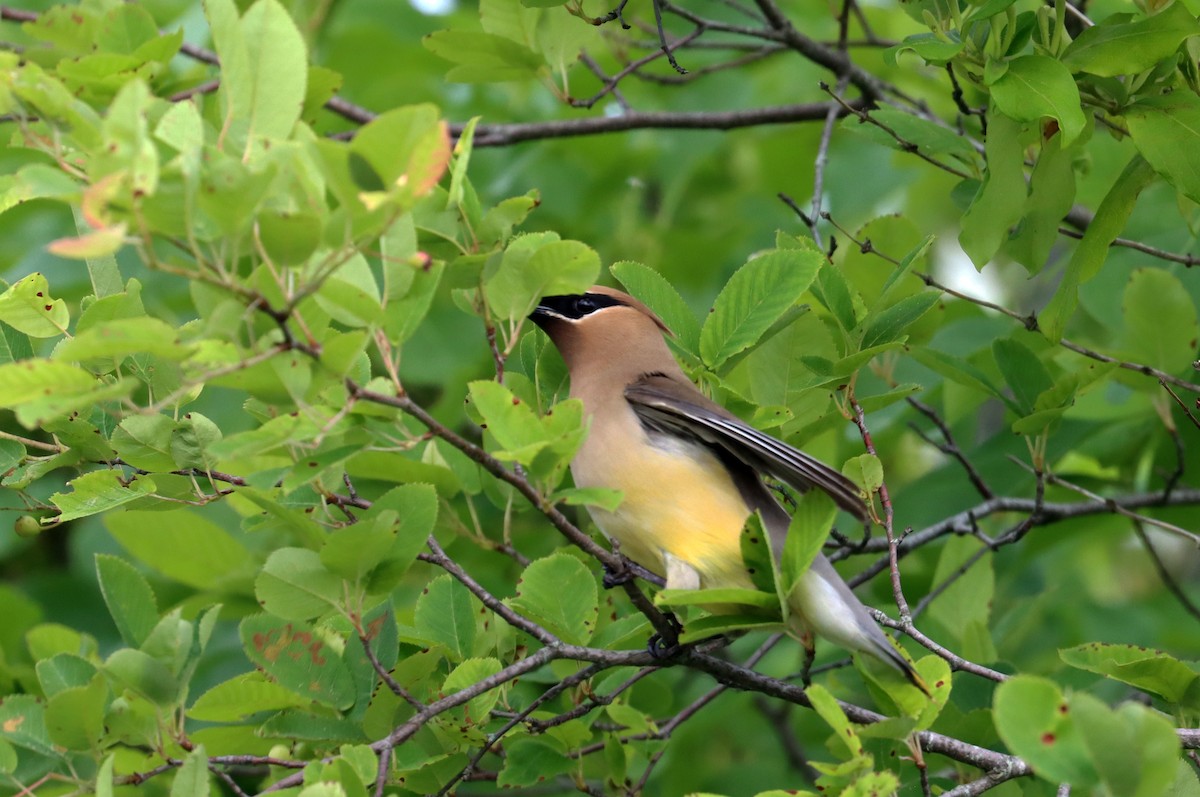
209 310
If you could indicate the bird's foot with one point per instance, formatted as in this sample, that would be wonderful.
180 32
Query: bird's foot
617 577
665 644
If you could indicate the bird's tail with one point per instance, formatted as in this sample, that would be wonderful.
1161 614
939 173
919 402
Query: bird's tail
884 649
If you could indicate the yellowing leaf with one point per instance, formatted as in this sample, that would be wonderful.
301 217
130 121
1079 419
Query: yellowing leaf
105 241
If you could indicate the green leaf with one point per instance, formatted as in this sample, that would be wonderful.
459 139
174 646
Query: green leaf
511 421
281 518
65 28
405 315
465 675
14 345
445 615
128 153
865 470
129 599
933 49
928 137
498 222
144 441
534 266
483 57
40 389
872 784
602 497
104 777
241 696
889 324
351 295
191 439
404 152
1160 320
124 29
298 657
712 597
99 491
998 204
1023 371
416 506
264 68
231 191
103 271
1152 670
1133 748
522 435
755 298
835 293
322 84
354 551
146 676
289 238
192 779
964 607
807 532
758 556
64 671
23 723
1121 45
294 584
115 307
1036 723
1166 130
381 633
531 761
828 709
894 283
306 726
1037 86
1051 197
959 371
124 337
48 639
659 295
185 547
569 614
28 307
1091 252
12 454
734 623
75 716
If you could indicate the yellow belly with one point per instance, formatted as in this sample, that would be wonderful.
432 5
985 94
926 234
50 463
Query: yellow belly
679 500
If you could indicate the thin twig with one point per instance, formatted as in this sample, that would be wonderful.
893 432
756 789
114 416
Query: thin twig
822 159
950 447
1179 401
1153 251
386 676
1115 507
1168 580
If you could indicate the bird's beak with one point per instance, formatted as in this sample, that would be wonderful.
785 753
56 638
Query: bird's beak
543 316
550 310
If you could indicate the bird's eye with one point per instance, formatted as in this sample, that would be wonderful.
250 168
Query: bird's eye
586 304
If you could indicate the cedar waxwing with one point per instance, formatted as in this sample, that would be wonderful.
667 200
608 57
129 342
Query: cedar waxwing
689 469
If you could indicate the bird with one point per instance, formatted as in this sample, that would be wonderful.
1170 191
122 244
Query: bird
691 471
